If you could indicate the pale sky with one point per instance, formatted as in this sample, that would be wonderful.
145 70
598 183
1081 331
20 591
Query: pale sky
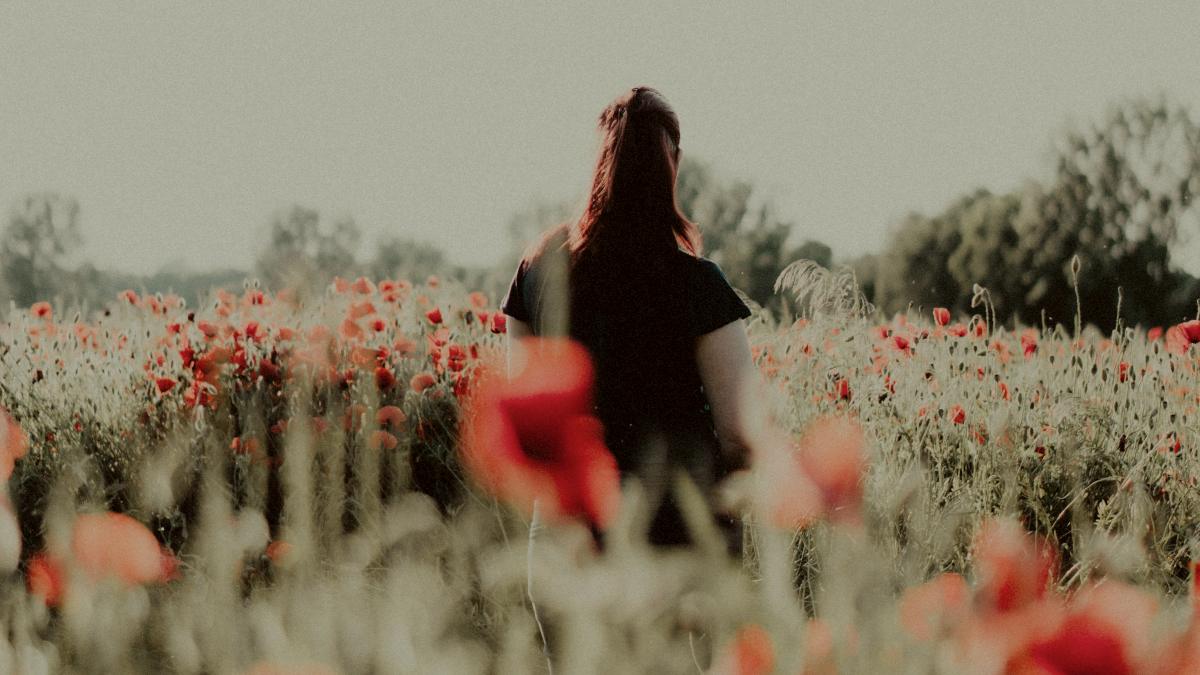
181 127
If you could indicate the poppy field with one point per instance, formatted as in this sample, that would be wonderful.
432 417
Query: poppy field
350 484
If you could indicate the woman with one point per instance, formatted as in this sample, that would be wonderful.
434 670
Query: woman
662 324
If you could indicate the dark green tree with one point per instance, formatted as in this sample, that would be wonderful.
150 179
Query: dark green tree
41 235
304 254
1122 190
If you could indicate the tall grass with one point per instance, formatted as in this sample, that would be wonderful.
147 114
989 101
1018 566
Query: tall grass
313 545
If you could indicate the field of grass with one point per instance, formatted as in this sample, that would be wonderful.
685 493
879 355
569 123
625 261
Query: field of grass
257 486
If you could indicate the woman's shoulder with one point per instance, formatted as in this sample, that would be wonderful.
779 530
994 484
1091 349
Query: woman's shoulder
701 269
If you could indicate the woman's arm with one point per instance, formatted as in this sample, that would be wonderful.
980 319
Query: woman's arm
515 330
730 381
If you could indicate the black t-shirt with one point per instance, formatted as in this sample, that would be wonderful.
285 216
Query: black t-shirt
639 321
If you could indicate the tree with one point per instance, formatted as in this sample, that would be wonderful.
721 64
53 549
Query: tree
914 269
41 235
404 258
1121 194
301 254
748 240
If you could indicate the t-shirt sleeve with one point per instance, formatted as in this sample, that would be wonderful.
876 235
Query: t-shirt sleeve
514 301
714 302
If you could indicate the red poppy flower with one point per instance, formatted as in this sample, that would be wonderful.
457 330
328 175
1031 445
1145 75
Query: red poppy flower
1014 567
40 309
499 323
46 578
390 416
164 384
534 438
1191 330
941 316
382 440
13 444
434 315
934 606
105 545
421 381
957 414
818 474
384 379
750 653
1029 342
279 551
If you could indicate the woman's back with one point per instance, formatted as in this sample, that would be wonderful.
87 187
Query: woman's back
640 316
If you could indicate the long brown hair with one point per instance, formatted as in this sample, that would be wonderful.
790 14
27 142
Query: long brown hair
632 206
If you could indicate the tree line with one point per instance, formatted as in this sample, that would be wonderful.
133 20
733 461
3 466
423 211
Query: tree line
1097 239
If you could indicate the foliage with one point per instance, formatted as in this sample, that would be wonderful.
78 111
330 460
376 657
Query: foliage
41 234
1120 199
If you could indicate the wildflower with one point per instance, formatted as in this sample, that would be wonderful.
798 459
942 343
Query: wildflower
41 310
941 316
1029 342
382 440
13 444
1190 330
434 315
106 545
1014 568
45 578
478 300
1122 371
164 384
934 606
957 414
1154 333
390 416
350 329
456 357
818 474
533 438
499 323
421 381
384 378
750 653
279 551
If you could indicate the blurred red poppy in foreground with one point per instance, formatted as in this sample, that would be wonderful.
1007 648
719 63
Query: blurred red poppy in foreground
1014 568
534 437
817 475
13 444
750 653
105 545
